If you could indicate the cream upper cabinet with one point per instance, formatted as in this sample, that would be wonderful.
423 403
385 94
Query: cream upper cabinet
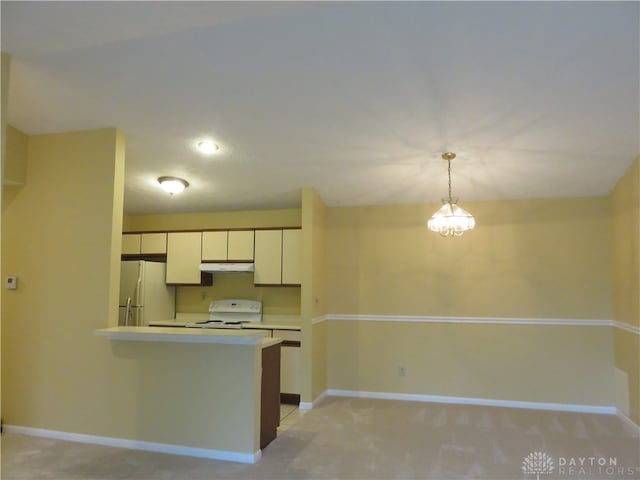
214 246
144 244
153 243
131 243
291 257
233 246
183 257
268 257
240 245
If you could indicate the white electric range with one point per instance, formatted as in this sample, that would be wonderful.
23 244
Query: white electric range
231 314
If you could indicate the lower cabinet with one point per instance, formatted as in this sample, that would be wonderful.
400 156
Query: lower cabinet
270 395
290 366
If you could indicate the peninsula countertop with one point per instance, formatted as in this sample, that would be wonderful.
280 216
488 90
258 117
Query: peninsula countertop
269 322
189 335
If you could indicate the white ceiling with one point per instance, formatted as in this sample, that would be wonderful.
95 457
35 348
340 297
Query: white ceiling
355 99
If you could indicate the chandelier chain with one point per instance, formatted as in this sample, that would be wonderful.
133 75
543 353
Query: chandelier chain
449 172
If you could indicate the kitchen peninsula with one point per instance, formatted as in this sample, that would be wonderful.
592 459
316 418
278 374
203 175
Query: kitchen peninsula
209 393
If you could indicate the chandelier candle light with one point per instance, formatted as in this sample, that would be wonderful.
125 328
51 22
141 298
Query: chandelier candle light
450 219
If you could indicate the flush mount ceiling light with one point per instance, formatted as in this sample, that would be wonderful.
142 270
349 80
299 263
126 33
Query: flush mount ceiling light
450 219
173 185
207 147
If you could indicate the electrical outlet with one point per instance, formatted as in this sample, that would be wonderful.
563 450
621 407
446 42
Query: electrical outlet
11 282
402 371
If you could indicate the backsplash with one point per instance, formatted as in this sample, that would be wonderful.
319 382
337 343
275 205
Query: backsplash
275 300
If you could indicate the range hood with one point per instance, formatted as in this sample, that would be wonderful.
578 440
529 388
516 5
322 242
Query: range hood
226 267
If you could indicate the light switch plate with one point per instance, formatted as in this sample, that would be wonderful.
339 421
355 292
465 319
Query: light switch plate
11 283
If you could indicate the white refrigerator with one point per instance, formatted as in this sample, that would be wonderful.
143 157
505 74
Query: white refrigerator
144 294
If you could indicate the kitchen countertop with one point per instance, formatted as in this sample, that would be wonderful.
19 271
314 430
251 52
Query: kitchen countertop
269 322
188 335
270 326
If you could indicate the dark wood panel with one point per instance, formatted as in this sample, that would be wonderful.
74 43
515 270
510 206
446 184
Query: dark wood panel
228 261
290 398
277 228
270 395
149 257
291 343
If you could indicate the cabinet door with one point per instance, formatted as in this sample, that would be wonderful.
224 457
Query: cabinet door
130 244
183 257
214 246
268 257
153 243
291 256
290 364
240 245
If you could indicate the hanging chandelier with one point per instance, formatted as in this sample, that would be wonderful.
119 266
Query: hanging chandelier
450 219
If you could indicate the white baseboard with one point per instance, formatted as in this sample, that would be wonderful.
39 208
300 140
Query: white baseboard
474 401
137 444
630 423
310 405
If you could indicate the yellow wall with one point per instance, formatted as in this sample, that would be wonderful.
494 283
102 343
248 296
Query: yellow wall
319 366
314 295
529 258
61 236
15 165
276 300
57 237
529 363
625 227
203 220
627 360
4 87
526 259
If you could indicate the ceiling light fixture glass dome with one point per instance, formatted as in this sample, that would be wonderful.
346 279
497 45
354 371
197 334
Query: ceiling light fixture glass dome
207 147
173 185
450 219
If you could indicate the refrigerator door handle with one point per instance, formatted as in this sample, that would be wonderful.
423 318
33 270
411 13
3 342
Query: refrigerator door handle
137 291
127 314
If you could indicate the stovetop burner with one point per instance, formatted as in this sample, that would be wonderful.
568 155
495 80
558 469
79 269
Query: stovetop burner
231 314
215 324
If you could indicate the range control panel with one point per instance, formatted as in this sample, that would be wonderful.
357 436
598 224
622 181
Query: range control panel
235 306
